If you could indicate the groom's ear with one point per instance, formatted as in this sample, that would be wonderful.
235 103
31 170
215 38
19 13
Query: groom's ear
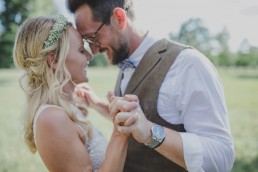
51 60
119 15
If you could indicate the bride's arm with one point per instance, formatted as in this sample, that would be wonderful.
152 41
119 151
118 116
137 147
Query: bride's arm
59 142
117 149
116 153
62 148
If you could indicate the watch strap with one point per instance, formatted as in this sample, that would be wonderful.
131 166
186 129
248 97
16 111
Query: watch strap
159 143
155 142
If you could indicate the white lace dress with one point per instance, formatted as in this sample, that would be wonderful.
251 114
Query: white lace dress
96 146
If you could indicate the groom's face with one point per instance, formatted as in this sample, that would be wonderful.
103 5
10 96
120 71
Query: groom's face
108 39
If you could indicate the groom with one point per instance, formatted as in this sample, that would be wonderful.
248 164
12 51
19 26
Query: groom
182 123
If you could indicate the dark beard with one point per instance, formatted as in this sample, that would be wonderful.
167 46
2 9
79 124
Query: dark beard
120 54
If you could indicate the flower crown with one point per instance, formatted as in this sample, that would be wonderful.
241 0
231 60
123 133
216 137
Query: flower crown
55 32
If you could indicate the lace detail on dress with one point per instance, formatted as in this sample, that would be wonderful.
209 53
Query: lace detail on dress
96 146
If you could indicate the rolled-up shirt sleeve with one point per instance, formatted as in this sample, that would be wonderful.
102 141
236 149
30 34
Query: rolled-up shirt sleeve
206 154
199 99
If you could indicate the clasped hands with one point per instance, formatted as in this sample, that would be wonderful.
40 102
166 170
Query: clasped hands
129 117
125 112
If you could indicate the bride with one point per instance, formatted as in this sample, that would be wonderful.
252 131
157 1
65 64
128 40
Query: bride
52 55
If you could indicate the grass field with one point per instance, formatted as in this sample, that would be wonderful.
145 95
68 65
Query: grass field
241 89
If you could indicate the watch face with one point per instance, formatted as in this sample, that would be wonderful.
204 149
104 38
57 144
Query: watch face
158 131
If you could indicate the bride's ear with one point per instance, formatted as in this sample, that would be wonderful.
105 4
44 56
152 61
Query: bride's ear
52 61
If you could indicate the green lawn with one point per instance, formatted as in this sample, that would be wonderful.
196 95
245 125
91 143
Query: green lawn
241 89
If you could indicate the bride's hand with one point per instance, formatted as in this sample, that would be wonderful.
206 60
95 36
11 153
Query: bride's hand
85 96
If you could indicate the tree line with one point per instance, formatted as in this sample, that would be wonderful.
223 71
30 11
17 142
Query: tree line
192 32
12 14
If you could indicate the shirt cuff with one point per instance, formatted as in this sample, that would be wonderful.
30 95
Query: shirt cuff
193 152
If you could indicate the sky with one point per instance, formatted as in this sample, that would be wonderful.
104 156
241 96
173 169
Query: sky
240 17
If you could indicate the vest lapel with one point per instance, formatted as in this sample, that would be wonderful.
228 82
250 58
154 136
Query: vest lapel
118 84
149 60
147 91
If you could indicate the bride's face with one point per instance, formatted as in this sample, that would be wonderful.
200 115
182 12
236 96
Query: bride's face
77 58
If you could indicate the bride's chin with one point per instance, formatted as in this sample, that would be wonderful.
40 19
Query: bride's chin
85 79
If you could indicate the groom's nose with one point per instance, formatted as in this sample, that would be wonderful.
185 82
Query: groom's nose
94 48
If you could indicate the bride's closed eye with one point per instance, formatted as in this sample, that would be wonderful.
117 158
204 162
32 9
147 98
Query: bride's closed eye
82 50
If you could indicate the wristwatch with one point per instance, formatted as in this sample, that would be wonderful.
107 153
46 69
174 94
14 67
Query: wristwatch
157 136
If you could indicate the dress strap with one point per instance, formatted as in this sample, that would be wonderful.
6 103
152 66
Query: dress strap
39 111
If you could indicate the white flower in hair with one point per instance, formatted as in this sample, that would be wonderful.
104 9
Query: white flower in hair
55 32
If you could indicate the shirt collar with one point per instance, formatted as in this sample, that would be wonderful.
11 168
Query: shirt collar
138 54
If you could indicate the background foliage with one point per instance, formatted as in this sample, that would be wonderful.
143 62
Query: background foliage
12 14
192 32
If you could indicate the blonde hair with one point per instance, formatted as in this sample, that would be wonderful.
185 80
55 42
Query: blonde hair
42 84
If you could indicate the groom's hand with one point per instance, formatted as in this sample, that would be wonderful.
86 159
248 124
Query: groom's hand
127 111
139 128
122 104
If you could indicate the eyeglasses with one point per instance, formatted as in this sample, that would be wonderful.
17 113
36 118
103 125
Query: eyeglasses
91 39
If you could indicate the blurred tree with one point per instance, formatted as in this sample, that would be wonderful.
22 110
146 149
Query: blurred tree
12 14
247 55
222 39
194 33
223 56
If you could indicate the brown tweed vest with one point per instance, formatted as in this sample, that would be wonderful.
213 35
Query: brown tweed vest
145 83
